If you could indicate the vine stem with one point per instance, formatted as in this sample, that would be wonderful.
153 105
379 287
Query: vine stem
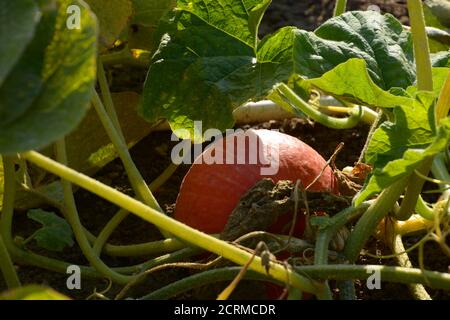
7 267
367 224
137 181
149 247
340 7
325 235
180 230
433 279
29 258
201 279
421 46
336 222
17 253
108 101
77 227
337 272
417 290
425 83
291 97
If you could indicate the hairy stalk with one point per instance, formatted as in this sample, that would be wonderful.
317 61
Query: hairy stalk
417 290
145 248
19 255
371 218
413 191
424 82
201 279
108 230
108 101
340 7
325 235
292 98
372 130
176 256
77 227
180 230
421 46
7 267
433 279
137 181
29 258
338 272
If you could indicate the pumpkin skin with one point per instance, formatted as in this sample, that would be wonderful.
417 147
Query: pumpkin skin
210 192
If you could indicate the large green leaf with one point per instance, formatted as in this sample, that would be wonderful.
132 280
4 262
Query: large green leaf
378 39
351 81
206 65
47 93
412 129
113 17
412 158
437 13
441 59
18 20
55 233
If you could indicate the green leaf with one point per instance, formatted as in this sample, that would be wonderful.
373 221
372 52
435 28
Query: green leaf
18 20
55 233
441 59
32 292
413 129
206 65
437 13
351 81
113 17
46 94
404 166
378 39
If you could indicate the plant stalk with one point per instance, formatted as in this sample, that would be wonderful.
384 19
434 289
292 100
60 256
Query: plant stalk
7 267
372 217
336 123
340 7
417 290
425 83
184 232
77 227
